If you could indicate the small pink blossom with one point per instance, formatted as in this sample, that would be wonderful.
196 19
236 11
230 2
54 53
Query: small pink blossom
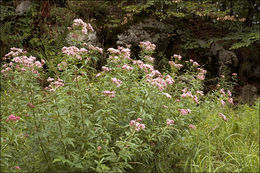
230 100
222 102
138 126
200 77
222 76
116 81
17 168
99 148
169 122
139 119
13 118
234 74
184 111
50 79
132 122
106 68
127 67
200 93
229 93
99 74
111 94
192 126
222 91
195 64
223 116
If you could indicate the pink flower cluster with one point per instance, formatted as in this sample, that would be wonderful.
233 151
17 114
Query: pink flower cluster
118 53
97 49
85 27
200 93
110 94
137 125
54 84
106 69
186 93
147 45
13 118
155 78
142 65
14 52
184 111
22 63
74 51
223 116
201 75
191 126
169 122
177 56
127 67
116 81
229 99
177 66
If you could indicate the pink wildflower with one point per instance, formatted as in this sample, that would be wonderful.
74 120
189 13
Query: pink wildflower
222 102
99 148
13 118
117 81
111 94
200 93
223 116
200 77
106 68
195 64
139 119
229 93
222 91
169 122
230 100
184 111
234 74
127 67
192 126
17 168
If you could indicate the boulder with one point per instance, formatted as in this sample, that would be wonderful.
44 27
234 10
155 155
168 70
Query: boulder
148 30
248 94
23 7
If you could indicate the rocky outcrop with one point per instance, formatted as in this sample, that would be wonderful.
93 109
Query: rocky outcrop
148 30
225 59
248 94
23 7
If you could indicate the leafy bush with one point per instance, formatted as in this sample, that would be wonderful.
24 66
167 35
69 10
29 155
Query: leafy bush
128 117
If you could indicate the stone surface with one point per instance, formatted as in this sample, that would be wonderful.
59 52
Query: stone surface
248 94
23 7
148 30
225 59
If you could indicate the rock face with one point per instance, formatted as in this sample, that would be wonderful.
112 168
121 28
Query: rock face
23 7
148 30
226 59
248 94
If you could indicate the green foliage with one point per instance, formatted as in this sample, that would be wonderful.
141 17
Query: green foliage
73 125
